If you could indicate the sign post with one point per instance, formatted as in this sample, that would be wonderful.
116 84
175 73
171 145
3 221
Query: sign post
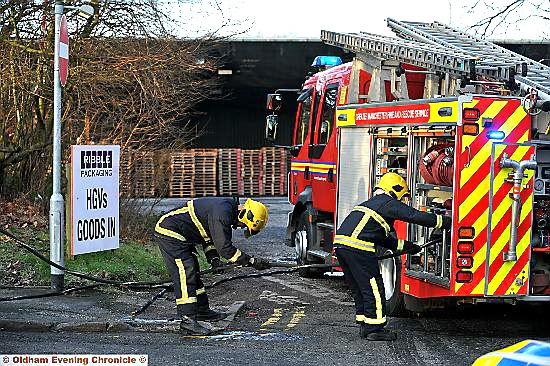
95 220
57 203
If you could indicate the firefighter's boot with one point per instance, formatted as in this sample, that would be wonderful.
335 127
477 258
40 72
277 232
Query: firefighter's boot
190 326
377 335
210 315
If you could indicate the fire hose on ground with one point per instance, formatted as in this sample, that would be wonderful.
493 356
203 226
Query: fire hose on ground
165 285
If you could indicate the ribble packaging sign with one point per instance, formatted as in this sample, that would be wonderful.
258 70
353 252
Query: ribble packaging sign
94 198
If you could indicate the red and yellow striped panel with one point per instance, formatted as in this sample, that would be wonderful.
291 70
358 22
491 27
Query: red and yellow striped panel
510 277
473 191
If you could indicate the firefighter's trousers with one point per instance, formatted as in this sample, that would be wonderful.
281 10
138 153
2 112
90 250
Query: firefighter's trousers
362 275
182 264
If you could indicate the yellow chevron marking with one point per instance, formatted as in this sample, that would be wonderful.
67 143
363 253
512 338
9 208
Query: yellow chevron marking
524 138
476 162
512 122
515 287
502 240
498 182
479 288
505 206
479 225
479 259
499 212
469 203
296 317
490 112
473 198
471 104
506 267
277 315
485 152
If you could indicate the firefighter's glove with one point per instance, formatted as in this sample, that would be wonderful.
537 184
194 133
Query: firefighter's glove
259 263
215 264
415 249
446 225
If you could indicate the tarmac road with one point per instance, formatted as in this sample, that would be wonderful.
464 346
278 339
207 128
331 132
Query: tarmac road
288 320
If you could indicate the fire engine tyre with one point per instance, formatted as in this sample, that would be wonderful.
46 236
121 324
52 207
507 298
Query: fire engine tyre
390 269
302 239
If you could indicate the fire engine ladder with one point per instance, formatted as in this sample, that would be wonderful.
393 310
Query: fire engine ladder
531 75
433 57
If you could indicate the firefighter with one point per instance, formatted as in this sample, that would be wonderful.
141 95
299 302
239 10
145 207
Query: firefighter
209 222
368 225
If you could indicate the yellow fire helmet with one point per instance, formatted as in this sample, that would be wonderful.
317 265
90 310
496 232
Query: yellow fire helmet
254 216
394 185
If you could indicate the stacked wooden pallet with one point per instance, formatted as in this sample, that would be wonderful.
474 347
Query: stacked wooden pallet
143 164
252 172
182 171
204 172
229 172
275 170
163 170
126 173
204 179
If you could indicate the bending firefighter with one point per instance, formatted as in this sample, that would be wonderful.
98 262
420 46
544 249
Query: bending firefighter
207 221
368 225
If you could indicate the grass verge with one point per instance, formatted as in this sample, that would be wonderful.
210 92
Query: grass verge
133 261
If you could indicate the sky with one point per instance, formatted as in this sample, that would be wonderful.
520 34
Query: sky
306 18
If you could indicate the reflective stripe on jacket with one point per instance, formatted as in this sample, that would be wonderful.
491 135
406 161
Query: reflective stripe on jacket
371 223
206 221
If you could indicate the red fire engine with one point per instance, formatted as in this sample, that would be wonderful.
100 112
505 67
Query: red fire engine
460 119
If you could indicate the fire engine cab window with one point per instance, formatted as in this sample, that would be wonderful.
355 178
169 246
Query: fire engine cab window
327 114
303 126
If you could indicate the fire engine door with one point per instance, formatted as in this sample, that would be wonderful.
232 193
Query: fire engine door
322 152
506 275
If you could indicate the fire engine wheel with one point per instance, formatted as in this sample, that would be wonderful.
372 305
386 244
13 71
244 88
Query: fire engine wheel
303 238
390 269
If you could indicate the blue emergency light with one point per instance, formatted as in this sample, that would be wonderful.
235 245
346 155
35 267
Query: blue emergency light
495 135
327 61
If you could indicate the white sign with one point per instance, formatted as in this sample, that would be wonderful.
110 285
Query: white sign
94 198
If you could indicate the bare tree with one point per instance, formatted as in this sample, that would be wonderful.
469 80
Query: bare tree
500 15
132 82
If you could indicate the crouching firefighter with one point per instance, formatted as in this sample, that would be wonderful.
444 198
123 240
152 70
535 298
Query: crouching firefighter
208 222
368 225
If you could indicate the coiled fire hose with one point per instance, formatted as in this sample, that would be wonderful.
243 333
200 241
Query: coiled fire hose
436 164
165 285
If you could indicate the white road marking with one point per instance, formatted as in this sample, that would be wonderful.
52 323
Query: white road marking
313 289
281 299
